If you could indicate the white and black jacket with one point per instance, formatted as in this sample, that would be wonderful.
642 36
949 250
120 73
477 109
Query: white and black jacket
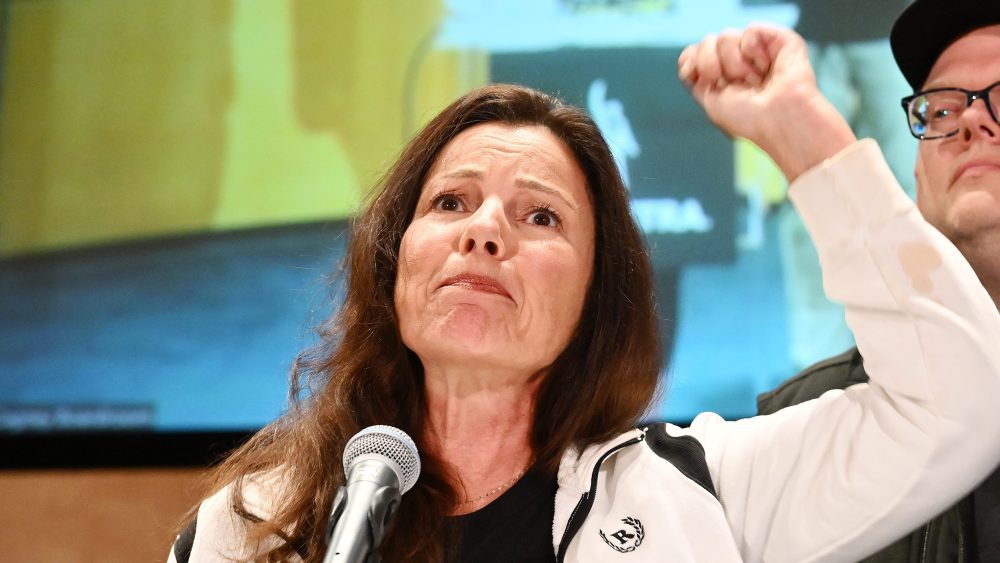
836 478
832 479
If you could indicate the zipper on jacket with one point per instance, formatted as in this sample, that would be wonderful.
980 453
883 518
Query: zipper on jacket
586 501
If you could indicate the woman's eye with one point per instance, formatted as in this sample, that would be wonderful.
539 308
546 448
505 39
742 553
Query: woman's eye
544 218
448 202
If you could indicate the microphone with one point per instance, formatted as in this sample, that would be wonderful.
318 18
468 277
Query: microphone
381 463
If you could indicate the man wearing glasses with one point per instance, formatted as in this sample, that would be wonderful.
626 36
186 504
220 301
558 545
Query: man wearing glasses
759 85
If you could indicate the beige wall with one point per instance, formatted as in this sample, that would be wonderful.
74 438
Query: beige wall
104 516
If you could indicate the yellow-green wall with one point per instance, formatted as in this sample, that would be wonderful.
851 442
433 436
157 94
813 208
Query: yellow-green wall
126 118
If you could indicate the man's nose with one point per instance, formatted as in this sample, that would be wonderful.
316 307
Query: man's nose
977 121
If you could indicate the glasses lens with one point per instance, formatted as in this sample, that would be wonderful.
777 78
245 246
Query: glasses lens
995 101
935 114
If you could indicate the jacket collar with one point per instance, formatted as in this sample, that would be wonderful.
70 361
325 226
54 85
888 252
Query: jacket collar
576 467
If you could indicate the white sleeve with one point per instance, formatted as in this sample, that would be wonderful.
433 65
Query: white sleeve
839 477
221 534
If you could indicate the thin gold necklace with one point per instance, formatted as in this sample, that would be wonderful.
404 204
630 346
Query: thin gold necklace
500 488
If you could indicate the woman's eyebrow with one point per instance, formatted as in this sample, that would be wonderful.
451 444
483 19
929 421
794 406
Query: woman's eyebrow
464 172
471 172
532 184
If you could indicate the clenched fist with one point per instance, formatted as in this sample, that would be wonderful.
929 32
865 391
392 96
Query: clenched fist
758 84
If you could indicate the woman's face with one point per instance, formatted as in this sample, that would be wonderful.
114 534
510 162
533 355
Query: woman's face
494 267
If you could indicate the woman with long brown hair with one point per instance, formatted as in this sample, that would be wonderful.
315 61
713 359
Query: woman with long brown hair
499 310
364 373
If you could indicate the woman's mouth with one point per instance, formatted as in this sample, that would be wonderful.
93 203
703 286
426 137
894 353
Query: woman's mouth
477 282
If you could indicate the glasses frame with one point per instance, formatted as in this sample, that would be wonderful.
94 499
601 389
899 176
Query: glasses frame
970 97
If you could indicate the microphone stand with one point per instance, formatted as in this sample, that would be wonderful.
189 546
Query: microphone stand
384 502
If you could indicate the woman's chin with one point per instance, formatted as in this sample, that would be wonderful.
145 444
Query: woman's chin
470 326
467 342
474 348
476 337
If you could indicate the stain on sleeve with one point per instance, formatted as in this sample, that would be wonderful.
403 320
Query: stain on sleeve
919 260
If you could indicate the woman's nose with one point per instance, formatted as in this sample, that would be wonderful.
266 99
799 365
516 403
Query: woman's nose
487 231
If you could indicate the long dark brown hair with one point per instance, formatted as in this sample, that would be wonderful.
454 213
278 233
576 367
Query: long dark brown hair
362 374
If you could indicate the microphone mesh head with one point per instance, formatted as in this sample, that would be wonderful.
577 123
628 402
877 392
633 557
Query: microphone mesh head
390 442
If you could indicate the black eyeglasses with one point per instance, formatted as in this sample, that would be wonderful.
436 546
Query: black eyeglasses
934 114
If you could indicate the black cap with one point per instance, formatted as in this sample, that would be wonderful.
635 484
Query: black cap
927 27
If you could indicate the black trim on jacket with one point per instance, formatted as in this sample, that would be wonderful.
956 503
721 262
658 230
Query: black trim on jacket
185 541
684 452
